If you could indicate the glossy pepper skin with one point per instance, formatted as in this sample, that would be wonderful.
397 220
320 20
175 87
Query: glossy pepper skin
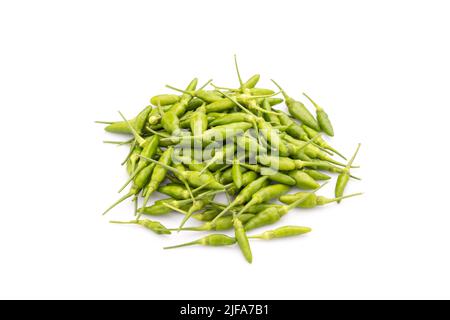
215 240
138 123
158 175
164 99
322 118
242 240
282 232
245 195
299 111
170 120
154 226
303 180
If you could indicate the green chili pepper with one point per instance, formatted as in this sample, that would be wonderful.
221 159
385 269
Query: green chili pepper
260 92
303 180
199 122
176 191
227 177
232 118
149 148
255 209
251 210
282 232
273 214
273 119
296 152
250 144
242 240
272 136
159 174
316 175
344 176
265 194
245 195
307 148
154 226
160 206
322 118
206 215
196 206
215 134
221 224
278 163
194 178
252 82
194 104
164 99
170 120
272 101
139 182
236 174
247 178
133 159
293 129
312 199
298 110
154 116
319 141
215 240
271 173
219 106
206 96
137 123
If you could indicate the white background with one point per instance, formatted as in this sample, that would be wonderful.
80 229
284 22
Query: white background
381 69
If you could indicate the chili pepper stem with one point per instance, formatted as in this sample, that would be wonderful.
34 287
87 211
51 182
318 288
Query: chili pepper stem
343 197
266 96
135 200
120 143
210 162
186 217
230 206
281 89
147 196
130 178
158 133
233 100
241 106
174 208
125 222
350 163
241 84
128 195
180 90
204 86
313 103
299 201
183 244
189 189
337 152
249 204
160 109
187 229
136 135
104 122
165 166
129 153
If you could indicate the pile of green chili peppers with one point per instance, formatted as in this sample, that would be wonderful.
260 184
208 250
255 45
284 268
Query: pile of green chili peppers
208 140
